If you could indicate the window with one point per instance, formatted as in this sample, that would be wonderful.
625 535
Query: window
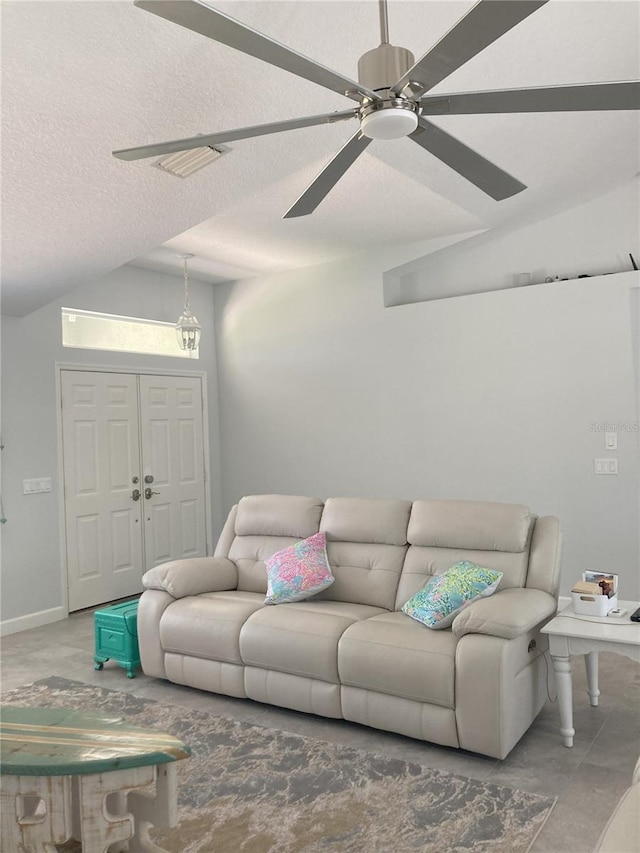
92 330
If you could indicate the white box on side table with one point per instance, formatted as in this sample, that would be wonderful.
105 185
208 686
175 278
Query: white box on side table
593 605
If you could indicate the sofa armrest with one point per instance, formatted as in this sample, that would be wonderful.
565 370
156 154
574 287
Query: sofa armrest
506 614
181 578
620 835
151 606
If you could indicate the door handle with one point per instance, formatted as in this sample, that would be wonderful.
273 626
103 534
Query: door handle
149 491
135 495
148 478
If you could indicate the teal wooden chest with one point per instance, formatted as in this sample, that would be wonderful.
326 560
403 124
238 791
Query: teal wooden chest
116 635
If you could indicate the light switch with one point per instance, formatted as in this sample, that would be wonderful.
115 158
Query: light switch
605 466
36 485
611 440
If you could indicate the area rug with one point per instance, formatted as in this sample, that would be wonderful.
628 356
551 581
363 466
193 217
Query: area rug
250 789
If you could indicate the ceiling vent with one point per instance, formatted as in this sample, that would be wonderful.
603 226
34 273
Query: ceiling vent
185 163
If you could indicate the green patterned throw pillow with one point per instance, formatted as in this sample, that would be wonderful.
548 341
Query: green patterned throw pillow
440 601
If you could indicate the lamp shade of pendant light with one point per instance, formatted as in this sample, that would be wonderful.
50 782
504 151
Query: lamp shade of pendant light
187 328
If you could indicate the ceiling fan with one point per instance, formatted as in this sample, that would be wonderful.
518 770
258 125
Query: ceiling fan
392 92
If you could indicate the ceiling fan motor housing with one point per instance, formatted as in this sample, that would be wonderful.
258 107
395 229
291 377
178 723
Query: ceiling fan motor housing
380 68
392 117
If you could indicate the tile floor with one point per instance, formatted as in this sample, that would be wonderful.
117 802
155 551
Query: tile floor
587 780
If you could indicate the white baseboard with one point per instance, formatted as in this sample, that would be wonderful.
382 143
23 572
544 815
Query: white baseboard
563 601
32 620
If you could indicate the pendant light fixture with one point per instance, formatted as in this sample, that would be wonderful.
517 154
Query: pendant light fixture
187 328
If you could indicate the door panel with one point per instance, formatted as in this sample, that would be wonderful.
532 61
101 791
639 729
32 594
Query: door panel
187 441
88 546
100 438
119 464
158 529
158 455
171 427
122 540
189 527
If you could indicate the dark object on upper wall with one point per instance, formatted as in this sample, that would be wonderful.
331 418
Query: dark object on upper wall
635 265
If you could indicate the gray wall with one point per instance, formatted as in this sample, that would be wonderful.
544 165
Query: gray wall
323 391
492 396
31 570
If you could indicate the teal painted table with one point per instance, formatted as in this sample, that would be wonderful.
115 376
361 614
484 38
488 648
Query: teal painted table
70 775
116 636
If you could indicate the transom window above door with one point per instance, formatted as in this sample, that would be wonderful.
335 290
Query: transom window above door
92 330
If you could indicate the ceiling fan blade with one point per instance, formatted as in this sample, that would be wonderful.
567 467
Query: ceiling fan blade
211 139
589 96
466 162
204 19
329 176
482 25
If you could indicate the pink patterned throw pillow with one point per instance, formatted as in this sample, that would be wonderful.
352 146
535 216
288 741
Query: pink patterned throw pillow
298 572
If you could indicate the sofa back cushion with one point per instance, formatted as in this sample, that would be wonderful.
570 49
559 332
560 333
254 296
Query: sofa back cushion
265 524
441 533
366 546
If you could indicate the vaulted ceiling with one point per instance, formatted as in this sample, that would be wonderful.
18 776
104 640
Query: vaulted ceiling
84 78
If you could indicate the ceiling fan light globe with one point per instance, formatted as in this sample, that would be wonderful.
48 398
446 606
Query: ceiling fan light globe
390 123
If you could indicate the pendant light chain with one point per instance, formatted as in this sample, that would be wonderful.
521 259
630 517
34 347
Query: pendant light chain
187 306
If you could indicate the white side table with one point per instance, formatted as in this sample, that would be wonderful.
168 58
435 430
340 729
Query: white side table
572 634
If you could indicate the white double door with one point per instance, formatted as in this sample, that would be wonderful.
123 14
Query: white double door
134 479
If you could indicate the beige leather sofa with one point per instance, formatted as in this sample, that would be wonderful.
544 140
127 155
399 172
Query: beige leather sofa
349 652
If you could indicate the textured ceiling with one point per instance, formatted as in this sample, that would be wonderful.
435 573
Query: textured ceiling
83 78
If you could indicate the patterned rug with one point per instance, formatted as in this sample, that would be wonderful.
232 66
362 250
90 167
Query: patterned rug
249 789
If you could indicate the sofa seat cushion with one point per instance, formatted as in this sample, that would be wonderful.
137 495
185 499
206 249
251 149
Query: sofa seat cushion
301 638
208 625
392 653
